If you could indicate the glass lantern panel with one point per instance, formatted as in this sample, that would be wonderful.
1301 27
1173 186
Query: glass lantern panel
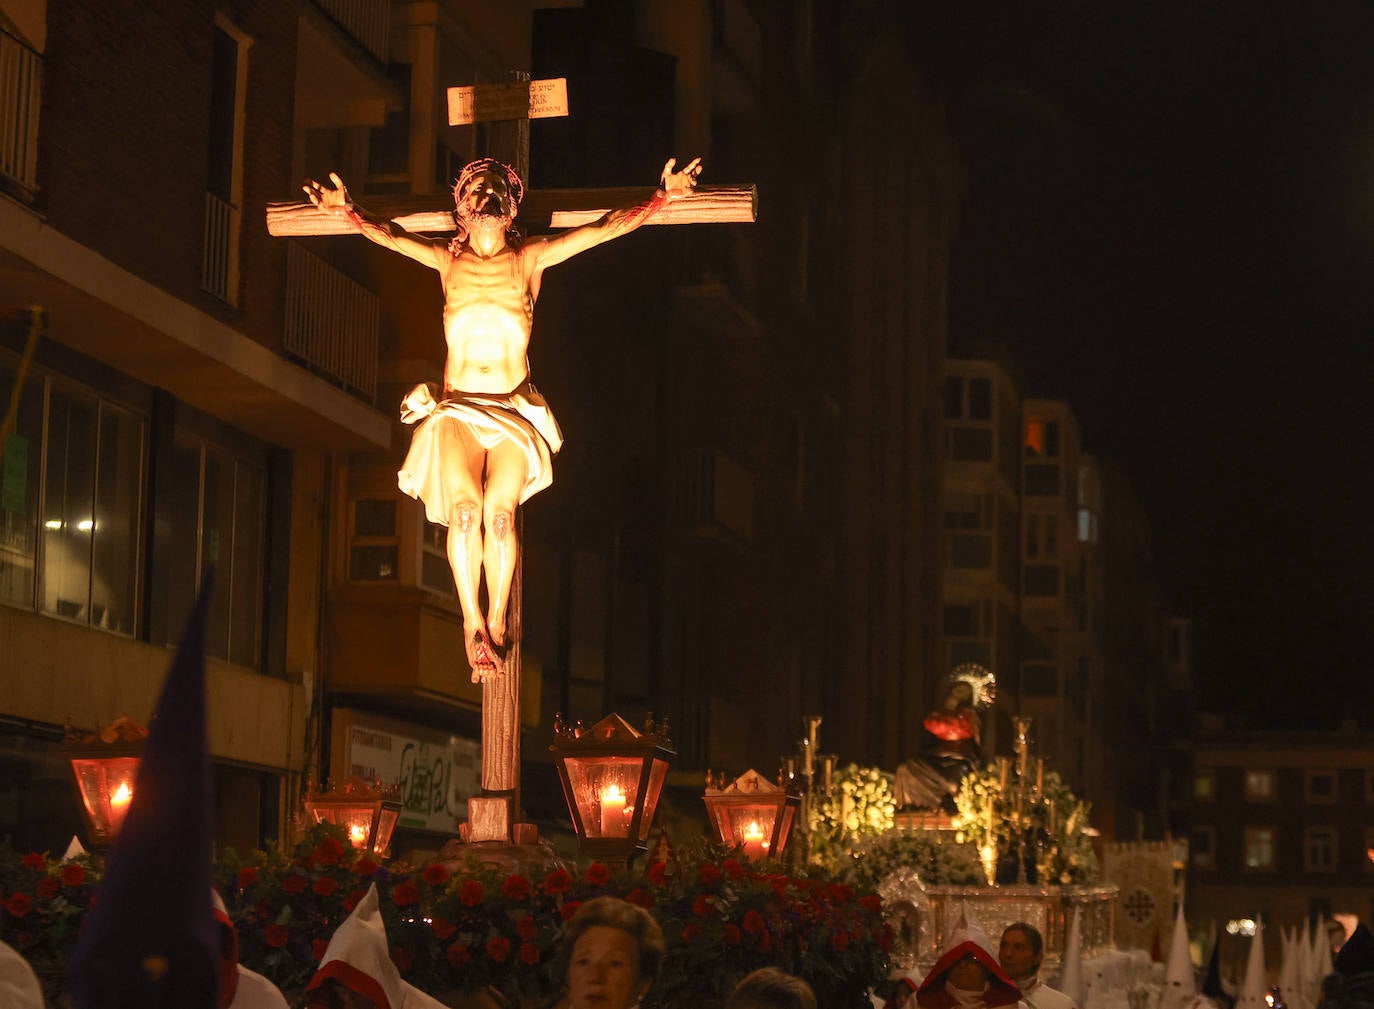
107 788
752 828
385 825
604 790
657 775
785 830
356 821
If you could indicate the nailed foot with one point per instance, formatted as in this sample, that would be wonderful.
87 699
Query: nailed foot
482 657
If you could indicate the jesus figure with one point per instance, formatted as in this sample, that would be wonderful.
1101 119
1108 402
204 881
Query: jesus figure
485 444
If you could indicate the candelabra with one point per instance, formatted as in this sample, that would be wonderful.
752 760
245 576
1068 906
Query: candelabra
1029 816
806 773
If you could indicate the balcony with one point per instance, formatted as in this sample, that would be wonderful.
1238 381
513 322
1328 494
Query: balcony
331 323
21 90
367 22
342 50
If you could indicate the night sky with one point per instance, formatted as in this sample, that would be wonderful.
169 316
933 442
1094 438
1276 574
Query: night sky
1170 223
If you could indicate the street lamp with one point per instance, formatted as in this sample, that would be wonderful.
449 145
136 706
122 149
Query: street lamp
367 812
612 776
753 813
105 764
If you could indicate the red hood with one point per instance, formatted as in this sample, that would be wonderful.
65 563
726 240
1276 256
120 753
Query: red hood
1002 990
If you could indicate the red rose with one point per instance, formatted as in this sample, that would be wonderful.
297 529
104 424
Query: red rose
839 940
691 931
294 883
317 948
19 905
708 874
569 909
443 929
498 949
516 887
405 894
248 877
276 935
351 901
598 874
526 928
324 886
839 893
33 860
872 903
458 955
529 953
733 869
640 896
701 907
404 959
330 851
753 922
435 874
558 881
471 893
365 867
729 935
73 874
657 873
48 887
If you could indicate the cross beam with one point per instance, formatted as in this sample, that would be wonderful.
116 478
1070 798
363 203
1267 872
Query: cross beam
554 208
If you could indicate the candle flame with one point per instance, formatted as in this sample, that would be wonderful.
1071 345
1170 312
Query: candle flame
753 833
123 795
612 794
357 833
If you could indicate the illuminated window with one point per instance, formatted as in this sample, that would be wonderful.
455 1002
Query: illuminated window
1258 853
1202 848
1319 846
1259 786
1321 787
1205 785
1035 437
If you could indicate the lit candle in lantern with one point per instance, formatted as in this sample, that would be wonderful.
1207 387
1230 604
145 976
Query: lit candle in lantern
357 834
613 822
755 844
119 802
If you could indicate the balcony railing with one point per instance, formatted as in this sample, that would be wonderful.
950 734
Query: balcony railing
219 265
368 21
21 88
331 323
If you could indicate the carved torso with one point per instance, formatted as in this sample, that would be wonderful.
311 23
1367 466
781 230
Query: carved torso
488 317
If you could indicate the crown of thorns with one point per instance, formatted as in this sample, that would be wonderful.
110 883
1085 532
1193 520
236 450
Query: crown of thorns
483 165
981 679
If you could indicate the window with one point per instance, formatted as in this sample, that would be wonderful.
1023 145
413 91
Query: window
374 549
1042 438
435 573
1042 580
1319 847
1321 787
224 161
1040 679
76 460
980 399
1205 785
218 522
1259 786
1202 848
1258 853
966 511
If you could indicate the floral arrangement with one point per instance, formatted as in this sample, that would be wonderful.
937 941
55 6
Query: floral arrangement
937 860
859 803
463 927
1064 852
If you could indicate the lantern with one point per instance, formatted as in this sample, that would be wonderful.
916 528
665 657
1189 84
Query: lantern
612 777
105 764
366 812
752 813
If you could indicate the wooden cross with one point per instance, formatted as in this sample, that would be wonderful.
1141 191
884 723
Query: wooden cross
491 815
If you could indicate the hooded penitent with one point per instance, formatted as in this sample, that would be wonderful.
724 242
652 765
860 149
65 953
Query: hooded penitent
19 987
967 939
150 940
359 958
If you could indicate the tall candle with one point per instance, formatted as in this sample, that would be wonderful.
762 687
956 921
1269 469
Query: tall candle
613 822
119 804
1040 774
1003 770
755 844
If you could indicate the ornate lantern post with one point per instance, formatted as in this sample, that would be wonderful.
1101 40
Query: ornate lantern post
105 765
753 813
366 811
612 777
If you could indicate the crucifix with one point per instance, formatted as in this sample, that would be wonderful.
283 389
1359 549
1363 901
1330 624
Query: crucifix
483 443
